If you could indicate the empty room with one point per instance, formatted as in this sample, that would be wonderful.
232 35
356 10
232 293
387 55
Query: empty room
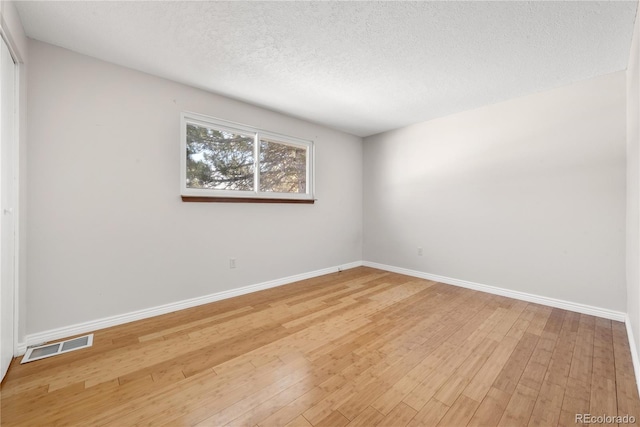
319 213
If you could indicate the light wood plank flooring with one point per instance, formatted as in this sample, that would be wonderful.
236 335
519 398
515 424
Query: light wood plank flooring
358 348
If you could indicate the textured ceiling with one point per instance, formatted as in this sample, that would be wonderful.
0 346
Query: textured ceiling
361 67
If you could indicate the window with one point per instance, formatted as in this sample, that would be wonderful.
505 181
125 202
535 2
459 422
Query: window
225 161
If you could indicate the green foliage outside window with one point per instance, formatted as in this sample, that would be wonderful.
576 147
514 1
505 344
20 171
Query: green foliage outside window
224 160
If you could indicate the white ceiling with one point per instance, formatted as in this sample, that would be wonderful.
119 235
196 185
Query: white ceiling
361 67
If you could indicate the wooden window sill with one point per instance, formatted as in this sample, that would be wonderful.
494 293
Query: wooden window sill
201 199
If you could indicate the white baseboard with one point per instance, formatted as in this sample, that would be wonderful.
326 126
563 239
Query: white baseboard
551 302
634 350
107 322
81 328
21 348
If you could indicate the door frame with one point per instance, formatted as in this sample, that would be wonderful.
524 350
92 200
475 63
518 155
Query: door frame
18 65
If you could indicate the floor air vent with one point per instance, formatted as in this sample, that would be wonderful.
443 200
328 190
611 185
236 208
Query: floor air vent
49 350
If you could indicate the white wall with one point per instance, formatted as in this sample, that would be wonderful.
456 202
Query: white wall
17 40
633 189
108 233
527 194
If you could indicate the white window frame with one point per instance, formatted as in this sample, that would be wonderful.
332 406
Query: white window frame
220 124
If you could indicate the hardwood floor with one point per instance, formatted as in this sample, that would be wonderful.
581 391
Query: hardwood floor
360 348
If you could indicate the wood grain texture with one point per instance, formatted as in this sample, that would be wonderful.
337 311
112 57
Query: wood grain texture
360 347
216 199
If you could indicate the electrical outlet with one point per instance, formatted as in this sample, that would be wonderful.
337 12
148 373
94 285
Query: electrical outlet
232 263
419 251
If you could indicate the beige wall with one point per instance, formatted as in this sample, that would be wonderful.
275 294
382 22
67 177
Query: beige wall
526 195
108 231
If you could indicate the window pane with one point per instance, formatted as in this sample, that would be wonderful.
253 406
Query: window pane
283 168
219 159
